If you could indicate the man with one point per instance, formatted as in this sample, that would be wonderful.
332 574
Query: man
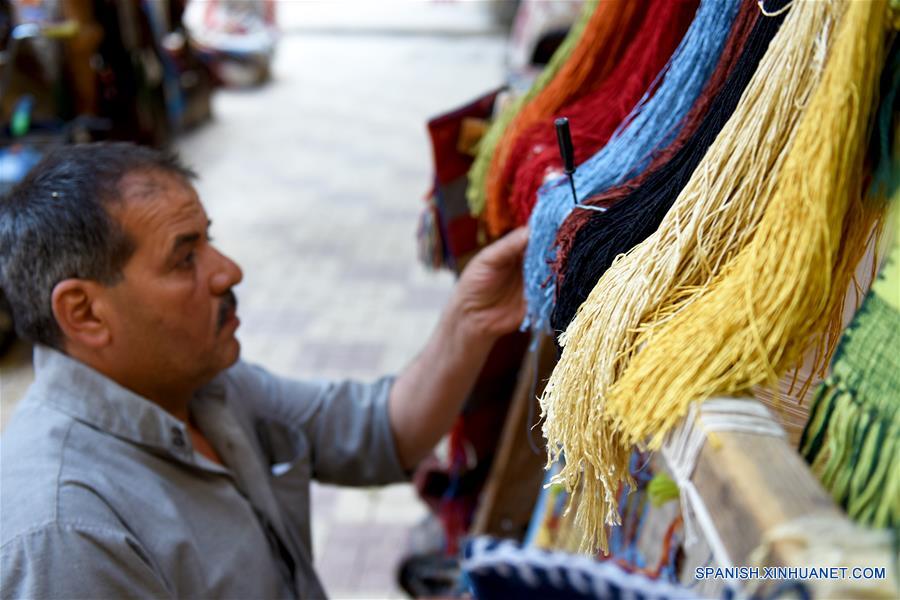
146 459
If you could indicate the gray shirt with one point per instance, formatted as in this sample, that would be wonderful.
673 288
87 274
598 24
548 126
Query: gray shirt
102 495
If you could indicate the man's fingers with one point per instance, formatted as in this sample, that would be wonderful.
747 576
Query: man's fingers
509 247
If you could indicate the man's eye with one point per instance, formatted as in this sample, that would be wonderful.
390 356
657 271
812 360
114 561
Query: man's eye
187 261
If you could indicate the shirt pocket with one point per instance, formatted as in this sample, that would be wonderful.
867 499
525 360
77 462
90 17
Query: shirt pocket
290 471
290 480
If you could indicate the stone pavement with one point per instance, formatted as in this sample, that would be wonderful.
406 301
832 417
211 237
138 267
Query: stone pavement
314 184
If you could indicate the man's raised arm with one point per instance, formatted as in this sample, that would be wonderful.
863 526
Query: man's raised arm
487 303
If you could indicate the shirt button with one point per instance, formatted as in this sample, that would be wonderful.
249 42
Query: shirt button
177 437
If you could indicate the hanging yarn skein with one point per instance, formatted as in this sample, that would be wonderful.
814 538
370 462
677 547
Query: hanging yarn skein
604 40
593 119
713 214
739 41
763 311
652 124
634 218
573 42
586 56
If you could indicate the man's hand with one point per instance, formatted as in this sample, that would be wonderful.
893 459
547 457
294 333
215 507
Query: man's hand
486 304
488 301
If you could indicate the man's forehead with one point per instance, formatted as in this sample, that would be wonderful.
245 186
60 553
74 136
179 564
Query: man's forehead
151 184
158 201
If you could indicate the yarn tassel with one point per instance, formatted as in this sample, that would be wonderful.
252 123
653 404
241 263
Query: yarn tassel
588 53
713 216
633 219
652 124
593 119
852 440
608 33
760 315
746 37
860 461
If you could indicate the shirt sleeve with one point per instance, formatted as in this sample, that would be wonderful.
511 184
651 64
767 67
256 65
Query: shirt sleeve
77 561
345 425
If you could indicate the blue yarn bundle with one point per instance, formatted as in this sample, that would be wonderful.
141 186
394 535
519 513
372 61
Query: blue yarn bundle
652 124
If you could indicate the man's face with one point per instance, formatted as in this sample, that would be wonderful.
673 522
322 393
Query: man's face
173 320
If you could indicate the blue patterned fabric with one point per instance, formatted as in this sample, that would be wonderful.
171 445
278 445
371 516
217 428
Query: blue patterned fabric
502 569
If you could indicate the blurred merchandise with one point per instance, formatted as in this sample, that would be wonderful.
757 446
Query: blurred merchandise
430 576
124 61
503 12
448 234
235 38
425 570
33 58
7 334
38 103
537 31
15 161
153 85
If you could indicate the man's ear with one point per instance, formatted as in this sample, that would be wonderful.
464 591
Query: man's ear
78 308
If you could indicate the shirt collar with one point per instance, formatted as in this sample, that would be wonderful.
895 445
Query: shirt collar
85 394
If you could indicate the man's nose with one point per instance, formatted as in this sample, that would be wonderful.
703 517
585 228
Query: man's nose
225 275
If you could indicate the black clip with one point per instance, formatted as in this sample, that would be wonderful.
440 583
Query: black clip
566 151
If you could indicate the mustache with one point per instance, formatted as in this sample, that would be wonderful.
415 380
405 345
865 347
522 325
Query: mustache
229 305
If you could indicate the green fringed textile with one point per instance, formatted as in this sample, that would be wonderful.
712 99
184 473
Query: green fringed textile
852 439
476 191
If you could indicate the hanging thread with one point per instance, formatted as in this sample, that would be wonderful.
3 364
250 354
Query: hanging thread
761 313
713 215
651 124
585 57
533 155
738 42
633 219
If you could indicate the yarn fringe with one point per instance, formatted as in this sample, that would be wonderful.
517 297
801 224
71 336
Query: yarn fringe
713 217
856 453
562 76
760 315
601 48
651 125
593 118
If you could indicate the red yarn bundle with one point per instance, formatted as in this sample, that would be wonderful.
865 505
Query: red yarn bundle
600 48
740 31
594 118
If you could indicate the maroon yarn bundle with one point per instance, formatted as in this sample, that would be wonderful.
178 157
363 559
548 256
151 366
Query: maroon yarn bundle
594 118
740 31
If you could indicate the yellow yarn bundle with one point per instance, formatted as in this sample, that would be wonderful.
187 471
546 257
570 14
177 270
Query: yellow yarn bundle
713 217
784 291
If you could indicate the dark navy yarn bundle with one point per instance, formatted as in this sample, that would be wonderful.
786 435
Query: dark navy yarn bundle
638 215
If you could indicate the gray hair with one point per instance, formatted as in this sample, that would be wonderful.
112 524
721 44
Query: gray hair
55 225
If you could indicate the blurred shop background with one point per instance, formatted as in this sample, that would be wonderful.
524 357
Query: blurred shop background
307 123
